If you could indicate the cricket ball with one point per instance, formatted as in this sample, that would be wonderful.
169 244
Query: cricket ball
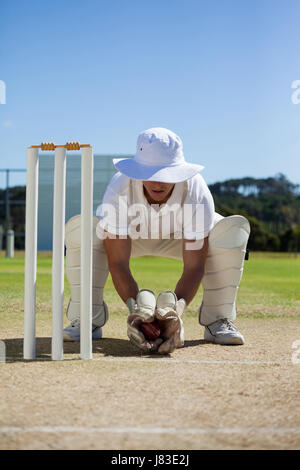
151 330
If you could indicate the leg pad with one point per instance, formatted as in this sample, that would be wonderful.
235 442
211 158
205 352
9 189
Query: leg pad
100 272
223 269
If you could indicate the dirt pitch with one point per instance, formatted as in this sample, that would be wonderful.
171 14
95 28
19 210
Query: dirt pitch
204 396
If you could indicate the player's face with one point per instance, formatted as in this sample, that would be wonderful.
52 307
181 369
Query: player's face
157 192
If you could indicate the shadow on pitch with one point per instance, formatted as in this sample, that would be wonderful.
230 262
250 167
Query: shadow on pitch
105 346
194 342
113 347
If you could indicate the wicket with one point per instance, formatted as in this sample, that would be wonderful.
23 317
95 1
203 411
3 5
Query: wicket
87 166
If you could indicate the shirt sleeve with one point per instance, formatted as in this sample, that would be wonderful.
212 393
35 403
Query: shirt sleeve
112 214
199 217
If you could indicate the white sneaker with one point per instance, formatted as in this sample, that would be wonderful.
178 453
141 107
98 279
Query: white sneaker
223 331
72 332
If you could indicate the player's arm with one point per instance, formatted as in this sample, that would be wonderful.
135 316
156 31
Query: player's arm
193 270
118 254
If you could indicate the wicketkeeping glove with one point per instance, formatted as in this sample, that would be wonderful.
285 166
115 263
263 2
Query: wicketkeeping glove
141 310
168 313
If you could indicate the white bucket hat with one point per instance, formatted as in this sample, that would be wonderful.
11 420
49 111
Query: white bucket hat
159 157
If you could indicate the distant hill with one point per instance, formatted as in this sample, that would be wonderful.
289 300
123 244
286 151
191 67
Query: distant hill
272 206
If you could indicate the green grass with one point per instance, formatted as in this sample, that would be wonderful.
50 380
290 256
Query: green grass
270 285
271 281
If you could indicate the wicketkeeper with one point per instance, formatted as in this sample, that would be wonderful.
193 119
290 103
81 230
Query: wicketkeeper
158 204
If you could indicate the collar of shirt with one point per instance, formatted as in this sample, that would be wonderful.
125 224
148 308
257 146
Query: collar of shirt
163 208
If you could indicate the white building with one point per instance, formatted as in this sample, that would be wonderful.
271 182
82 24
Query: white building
103 172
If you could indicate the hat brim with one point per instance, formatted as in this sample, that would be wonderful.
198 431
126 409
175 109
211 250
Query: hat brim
171 174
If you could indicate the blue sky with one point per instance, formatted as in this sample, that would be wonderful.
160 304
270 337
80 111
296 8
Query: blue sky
216 72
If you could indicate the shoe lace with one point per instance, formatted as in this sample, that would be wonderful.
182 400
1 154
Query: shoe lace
228 324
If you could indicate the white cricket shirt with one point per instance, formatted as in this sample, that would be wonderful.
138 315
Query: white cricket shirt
188 213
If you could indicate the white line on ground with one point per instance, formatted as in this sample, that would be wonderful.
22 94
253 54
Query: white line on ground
136 430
